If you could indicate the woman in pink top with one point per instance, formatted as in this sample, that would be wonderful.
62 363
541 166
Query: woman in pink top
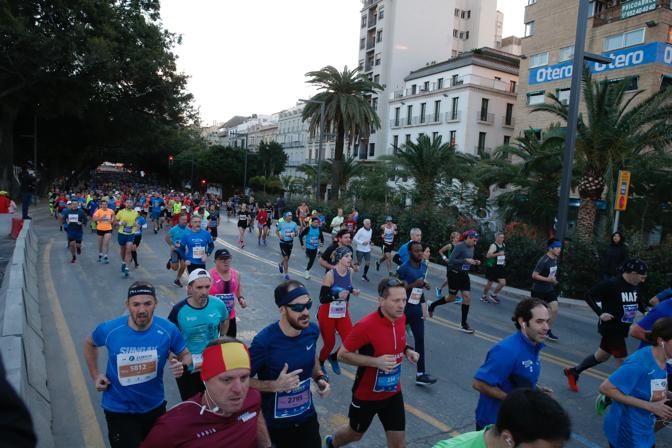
226 286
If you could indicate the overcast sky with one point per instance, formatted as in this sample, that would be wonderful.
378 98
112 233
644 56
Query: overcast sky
245 57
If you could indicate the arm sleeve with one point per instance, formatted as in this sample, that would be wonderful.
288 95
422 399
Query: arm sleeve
257 356
458 255
172 316
325 295
303 233
539 267
99 335
321 235
357 338
596 293
626 377
497 367
177 343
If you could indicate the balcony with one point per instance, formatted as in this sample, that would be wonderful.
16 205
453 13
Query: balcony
435 118
462 81
453 117
395 123
625 9
370 43
369 66
508 122
482 149
372 21
485 118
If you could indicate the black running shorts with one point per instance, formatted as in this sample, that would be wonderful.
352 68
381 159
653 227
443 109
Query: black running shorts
390 411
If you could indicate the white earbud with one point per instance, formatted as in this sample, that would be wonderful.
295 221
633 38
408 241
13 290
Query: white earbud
216 408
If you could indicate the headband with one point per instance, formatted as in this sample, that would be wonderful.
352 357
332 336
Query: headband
291 295
143 290
555 245
224 357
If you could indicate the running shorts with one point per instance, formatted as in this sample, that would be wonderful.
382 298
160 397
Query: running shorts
390 411
103 232
494 273
156 216
614 344
192 267
286 249
387 248
213 232
366 256
175 257
242 224
137 240
124 239
458 281
75 236
546 296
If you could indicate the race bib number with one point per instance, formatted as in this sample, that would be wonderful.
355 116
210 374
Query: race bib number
314 240
501 260
658 389
388 238
128 229
106 218
337 309
552 271
629 312
416 295
466 266
73 218
199 251
197 360
288 234
387 382
137 367
293 403
228 300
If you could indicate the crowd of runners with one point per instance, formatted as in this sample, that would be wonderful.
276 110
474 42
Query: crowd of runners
261 394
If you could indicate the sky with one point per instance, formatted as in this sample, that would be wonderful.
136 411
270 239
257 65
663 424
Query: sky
247 57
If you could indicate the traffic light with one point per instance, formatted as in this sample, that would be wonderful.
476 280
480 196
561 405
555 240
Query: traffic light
203 182
171 159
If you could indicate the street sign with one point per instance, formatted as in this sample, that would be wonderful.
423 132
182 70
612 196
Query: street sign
623 188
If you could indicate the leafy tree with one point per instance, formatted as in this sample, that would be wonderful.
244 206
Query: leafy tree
272 158
310 172
348 112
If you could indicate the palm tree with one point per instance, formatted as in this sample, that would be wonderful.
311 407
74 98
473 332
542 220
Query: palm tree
348 111
614 132
351 169
310 171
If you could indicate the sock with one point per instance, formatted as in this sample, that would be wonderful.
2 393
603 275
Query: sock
434 304
366 270
586 364
465 313
134 256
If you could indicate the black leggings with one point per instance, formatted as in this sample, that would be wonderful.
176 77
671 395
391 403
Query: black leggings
303 435
129 430
189 384
231 332
311 254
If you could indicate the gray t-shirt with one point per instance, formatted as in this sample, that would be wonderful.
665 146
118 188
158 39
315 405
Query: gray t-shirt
545 267
458 256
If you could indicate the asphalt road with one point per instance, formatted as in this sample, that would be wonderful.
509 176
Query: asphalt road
76 297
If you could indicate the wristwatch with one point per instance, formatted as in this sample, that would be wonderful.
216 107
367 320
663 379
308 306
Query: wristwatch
321 377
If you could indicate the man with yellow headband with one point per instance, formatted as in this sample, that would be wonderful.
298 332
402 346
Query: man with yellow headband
227 414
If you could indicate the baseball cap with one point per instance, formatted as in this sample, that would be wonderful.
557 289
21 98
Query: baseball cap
388 218
470 234
198 273
68 203
137 209
635 265
221 254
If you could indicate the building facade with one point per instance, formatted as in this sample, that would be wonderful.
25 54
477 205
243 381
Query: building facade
398 36
635 34
468 100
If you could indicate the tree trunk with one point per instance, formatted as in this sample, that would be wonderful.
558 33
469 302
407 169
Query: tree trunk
586 220
8 113
337 166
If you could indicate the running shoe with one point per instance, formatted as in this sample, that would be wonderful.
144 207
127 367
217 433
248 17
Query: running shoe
485 299
306 275
602 402
126 272
328 442
465 328
494 299
100 258
551 337
572 379
377 265
177 283
73 260
425 379
365 278
79 251
438 293
286 276
458 300
280 267
106 260
335 366
123 267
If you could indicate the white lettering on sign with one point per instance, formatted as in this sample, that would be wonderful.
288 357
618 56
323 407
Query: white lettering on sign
621 60
553 74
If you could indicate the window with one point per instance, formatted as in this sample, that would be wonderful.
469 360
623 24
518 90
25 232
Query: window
409 115
632 82
376 79
379 36
508 117
453 137
423 111
535 98
395 141
469 14
529 29
484 109
539 59
481 140
512 86
665 82
437 111
363 21
457 12
439 83
397 112
455 33
408 138
453 110
372 149
414 89
454 80
374 104
435 136
669 34
507 139
466 35
624 40
531 2
425 86
563 95
377 62
462 14
420 134
566 53
381 14
361 43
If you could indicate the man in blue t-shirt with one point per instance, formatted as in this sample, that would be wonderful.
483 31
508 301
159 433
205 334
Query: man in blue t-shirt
661 296
200 318
173 239
286 230
284 363
73 218
138 347
156 207
513 363
196 245
314 240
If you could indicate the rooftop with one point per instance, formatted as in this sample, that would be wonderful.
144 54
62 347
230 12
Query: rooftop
484 57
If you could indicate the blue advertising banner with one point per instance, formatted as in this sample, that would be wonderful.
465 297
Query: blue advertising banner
654 52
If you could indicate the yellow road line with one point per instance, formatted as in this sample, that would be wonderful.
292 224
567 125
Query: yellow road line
563 362
91 432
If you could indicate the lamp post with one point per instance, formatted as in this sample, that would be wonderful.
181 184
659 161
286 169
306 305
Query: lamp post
235 134
580 56
319 147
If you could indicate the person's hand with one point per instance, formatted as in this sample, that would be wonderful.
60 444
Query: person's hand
176 367
385 363
288 381
355 292
412 356
426 285
344 294
187 262
604 317
323 388
660 409
547 390
302 248
101 382
553 279
204 258
242 302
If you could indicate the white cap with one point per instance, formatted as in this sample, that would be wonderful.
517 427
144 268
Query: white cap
198 273
137 209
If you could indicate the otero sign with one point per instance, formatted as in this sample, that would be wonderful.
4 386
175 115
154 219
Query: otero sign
636 7
652 53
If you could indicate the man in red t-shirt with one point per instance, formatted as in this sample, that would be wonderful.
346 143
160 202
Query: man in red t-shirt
4 202
227 414
377 346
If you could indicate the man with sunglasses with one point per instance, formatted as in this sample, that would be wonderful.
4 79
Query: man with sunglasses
460 262
284 362
377 346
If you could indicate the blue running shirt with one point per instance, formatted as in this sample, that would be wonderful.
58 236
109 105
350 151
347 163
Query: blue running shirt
199 325
196 244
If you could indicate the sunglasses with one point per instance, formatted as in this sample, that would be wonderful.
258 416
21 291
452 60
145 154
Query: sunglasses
299 307
391 282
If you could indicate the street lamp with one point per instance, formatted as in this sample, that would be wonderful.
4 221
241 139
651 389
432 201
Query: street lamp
319 147
580 56
233 133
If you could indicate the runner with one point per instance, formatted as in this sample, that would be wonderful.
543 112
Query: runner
362 242
544 279
141 223
196 245
494 269
302 214
314 240
173 239
513 362
333 314
138 347
389 234
460 262
350 225
269 222
620 298
638 391
661 296
227 414
126 219
227 287
286 231
73 218
262 228
337 222
157 205
284 362
377 346
342 239
401 256
527 418
414 274
200 319
213 221
445 252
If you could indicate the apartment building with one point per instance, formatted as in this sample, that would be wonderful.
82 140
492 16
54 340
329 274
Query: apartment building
267 132
398 36
468 100
635 34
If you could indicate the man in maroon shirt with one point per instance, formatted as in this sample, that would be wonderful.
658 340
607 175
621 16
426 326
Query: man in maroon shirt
377 346
227 414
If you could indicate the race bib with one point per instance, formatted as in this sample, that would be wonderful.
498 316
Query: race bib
552 271
293 403
137 367
227 299
197 360
128 229
106 218
73 218
387 382
288 234
629 313
466 266
337 309
199 251
658 389
501 259
314 240
388 238
416 295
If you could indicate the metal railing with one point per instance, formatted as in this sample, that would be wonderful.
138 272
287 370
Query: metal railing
468 80
453 116
508 122
372 21
483 149
370 42
484 117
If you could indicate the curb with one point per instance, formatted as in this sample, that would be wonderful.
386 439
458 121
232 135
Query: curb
21 338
